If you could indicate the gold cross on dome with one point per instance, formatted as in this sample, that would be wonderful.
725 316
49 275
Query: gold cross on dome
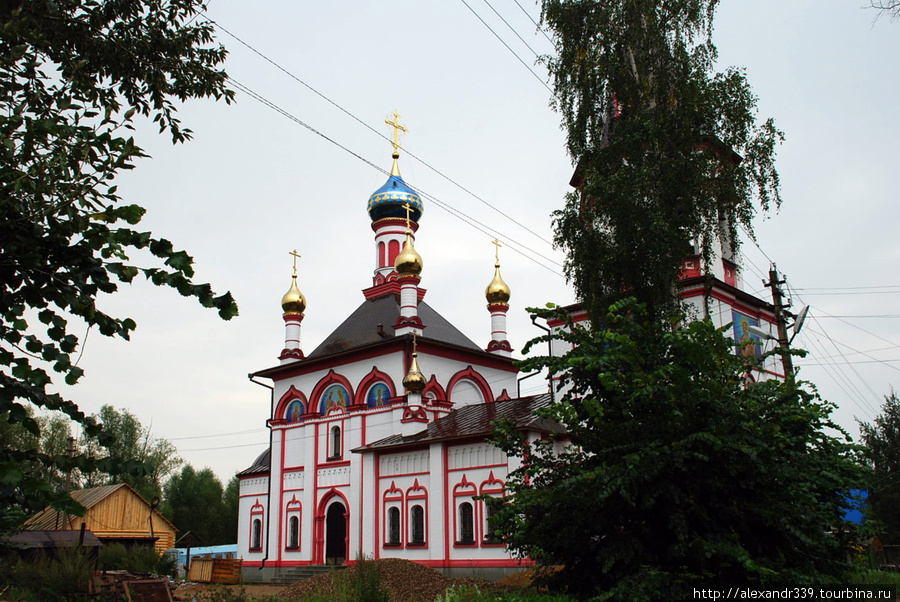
395 123
296 257
497 246
409 210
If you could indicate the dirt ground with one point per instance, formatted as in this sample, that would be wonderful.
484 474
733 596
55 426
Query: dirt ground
404 581
252 590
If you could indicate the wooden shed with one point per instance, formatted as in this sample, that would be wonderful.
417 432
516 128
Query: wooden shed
115 514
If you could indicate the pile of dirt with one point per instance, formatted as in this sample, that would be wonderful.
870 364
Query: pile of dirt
404 580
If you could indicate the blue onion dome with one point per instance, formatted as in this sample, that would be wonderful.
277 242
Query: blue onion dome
388 200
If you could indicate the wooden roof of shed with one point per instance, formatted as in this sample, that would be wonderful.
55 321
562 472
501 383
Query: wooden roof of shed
47 519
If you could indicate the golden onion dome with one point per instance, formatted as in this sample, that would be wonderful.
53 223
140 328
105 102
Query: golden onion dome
414 381
408 262
497 291
293 301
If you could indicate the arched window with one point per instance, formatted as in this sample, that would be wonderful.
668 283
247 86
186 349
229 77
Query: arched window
294 532
335 451
394 526
466 523
256 536
417 525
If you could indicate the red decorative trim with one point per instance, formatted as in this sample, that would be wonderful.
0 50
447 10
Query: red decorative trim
290 395
414 414
411 322
499 346
392 498
293 508
319 522
332 378
491 485
296 354
690 267
394 221
477 379
386 286
417 493
498 307
433 386
408 279
504 396
373 377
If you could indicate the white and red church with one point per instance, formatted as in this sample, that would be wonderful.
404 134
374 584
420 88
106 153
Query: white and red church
378 436
378 440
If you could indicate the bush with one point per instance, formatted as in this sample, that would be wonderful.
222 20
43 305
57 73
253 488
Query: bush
56 575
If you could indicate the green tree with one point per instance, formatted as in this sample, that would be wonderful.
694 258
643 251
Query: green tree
881 438
194 502
231 500
668 150
673 472
73 76
132 441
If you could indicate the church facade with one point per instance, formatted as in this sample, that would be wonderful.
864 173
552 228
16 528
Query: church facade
378 436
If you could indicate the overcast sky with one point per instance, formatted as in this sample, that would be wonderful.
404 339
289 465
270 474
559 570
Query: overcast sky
255 184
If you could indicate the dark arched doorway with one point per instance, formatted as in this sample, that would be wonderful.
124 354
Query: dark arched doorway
336 534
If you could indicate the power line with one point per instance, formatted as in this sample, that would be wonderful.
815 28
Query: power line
536 24
376 132
516 33
455 212
536 76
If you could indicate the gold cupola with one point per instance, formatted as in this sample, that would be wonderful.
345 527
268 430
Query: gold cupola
497 291
293 301
414 381
408 262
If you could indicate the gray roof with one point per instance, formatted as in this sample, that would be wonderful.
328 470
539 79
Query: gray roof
361 328
259 466
475 421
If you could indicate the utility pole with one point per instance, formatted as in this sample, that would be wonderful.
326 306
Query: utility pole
781 312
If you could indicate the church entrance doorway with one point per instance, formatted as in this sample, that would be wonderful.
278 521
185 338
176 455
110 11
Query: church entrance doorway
336 534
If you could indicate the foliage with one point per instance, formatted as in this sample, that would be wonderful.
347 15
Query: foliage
194 501
668 150
231 508
882 441
73 75
132 441
56 575
52 442
472 593
678 472
135 559
362 583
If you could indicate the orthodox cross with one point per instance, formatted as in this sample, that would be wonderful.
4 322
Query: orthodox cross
408 211
296 257
397 129
414 342
497 246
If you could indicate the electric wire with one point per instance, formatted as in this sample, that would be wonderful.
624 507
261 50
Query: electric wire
509 241
376 132
512 29
530 70
536 24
